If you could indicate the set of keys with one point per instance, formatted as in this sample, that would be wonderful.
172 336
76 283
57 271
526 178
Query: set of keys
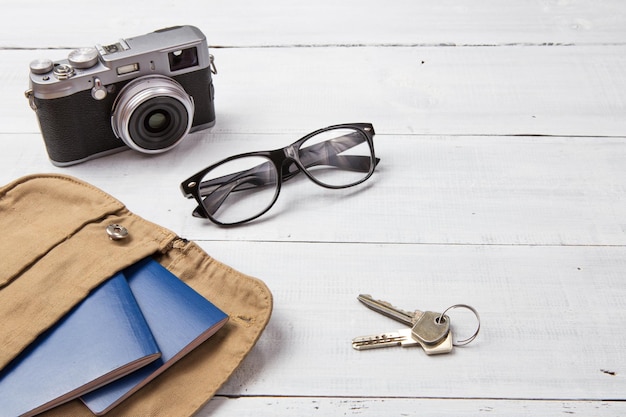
427 329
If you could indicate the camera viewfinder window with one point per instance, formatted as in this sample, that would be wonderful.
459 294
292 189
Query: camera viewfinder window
182 59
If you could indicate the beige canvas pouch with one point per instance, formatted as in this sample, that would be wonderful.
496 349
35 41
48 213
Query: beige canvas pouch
55 249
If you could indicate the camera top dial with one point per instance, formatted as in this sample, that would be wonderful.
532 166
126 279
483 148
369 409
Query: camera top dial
83 58
41 66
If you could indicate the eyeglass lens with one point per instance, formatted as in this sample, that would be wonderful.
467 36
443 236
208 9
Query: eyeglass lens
239 189
338 157
245 187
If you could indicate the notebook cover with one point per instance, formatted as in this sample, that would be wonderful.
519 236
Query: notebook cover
101 339
180 319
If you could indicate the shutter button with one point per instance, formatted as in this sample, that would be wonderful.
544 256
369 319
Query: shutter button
117 232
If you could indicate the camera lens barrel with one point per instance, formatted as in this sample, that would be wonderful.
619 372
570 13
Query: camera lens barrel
152 114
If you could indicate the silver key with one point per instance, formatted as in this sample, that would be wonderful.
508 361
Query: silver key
386 309
427 327
402 337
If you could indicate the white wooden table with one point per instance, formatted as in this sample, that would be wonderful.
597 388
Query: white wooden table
501 126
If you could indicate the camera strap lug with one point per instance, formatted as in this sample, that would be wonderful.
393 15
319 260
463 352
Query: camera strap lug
212 64
31 98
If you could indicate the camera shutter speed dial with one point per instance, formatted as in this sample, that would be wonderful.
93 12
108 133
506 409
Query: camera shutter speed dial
83 58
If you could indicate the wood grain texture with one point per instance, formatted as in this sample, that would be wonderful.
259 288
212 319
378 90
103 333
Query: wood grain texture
422 90
502 137
370 407
242 23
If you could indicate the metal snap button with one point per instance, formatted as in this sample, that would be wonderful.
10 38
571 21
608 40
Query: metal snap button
117 232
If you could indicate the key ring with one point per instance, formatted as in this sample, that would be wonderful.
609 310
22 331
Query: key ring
473 310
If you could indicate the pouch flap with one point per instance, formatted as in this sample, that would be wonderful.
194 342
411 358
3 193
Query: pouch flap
40 212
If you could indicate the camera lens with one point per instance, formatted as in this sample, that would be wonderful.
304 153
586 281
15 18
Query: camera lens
152 114
157 121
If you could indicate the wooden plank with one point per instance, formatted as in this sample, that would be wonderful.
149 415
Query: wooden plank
284 22
427 189
544 335
373 407
443 91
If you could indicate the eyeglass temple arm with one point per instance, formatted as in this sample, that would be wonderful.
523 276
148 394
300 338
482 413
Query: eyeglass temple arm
348 162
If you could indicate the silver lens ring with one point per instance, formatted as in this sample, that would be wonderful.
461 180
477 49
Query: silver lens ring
138 93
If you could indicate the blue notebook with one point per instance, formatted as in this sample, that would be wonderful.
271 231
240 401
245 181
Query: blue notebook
180 319
103 338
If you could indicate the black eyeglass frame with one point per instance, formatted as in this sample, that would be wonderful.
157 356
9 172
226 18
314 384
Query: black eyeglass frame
191 187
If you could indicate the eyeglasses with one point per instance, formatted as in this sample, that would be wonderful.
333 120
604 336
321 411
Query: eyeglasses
243 187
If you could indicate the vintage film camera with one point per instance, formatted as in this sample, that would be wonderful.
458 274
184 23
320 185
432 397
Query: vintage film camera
144 93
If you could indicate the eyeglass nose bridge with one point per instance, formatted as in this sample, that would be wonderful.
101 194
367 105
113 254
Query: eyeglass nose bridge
289 166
